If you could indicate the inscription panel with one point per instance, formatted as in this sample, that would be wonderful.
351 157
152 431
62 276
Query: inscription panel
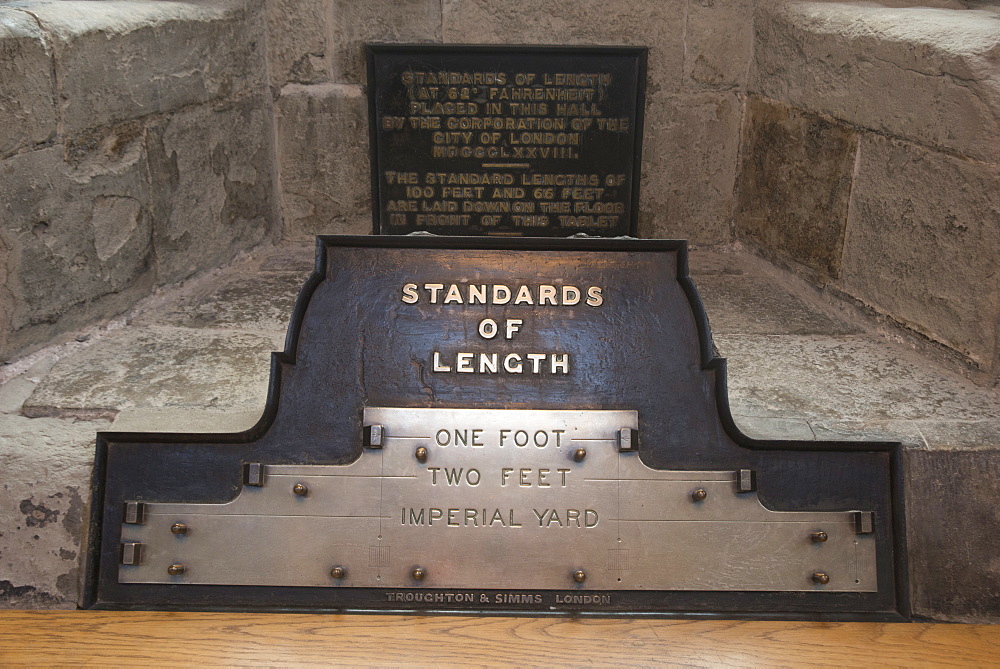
511 141
500 499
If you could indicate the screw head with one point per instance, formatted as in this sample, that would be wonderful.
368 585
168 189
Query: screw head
338 572
819 536
300 489
418 574
579 576
175 569
699 494
178 528
821 578
579 454
421 454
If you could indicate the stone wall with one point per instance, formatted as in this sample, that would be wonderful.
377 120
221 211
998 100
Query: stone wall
871 161
699 53
135 150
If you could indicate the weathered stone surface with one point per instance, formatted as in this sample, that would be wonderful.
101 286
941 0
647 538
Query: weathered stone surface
245 301
690 145
794 185
214 188
718 41
160 367
43 509
187 419
754 304
27 102
323 140
123 59
953 524
658 25
353 23
923 241
77 235
927 74
297 50
845 379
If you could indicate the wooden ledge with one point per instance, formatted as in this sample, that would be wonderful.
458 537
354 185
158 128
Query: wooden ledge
147 638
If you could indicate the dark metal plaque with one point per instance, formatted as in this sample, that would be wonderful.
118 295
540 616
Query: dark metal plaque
469 424
506 141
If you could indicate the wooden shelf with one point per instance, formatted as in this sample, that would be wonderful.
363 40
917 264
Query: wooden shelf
156 638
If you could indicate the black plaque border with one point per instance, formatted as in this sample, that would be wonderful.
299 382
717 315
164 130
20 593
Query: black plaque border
641 53
892 574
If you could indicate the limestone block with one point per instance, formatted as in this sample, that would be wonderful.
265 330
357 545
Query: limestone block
214 187
690 146
951 534
794 185
718 43
926 74
297 48
354 22
849 378
659 25
922 243
44 497
325 173
159 367
122 59
78 234
27 103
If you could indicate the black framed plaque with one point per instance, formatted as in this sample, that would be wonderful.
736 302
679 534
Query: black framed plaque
473 424
537 141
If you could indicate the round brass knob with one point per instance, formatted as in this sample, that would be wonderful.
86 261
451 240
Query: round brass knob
418 574
175 569
579 454
179 528
300 489
338 572
819 537
821 578
421 454
579 576
699 494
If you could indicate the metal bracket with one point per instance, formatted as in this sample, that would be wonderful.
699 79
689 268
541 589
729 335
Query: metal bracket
864 522
253 474
374 436
134 513
746 480
628 440
131 553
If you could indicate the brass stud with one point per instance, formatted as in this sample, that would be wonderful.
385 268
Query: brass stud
819 536
421 454
179 528
579 454
699 494
175 569
418 574
338 572
821 578
579 576
300 489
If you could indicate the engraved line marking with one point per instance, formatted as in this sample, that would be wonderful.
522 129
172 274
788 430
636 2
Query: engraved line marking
342 476
665 480
254 515
400 437
618 487
589 439
758 521
380 512
520 166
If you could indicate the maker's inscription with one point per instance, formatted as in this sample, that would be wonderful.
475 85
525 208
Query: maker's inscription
503 141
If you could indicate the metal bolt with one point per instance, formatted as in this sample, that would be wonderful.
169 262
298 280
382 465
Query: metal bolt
421 454
338 572
579 576
175 569
179 528
418 574
579 454
699 494
819 536
821 578
300 489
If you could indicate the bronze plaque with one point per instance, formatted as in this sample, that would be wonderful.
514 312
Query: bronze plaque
506 141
